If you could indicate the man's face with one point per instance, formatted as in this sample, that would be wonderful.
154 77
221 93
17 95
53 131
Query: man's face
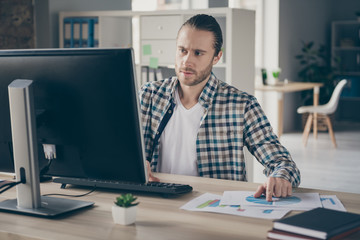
194 56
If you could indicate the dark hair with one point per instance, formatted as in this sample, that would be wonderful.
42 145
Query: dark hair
207 23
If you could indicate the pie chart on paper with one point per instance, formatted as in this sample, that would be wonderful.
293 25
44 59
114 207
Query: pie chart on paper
279 202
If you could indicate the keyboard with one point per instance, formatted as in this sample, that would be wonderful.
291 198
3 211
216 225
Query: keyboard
150 187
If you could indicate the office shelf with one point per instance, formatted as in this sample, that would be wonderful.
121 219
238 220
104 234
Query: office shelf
153 37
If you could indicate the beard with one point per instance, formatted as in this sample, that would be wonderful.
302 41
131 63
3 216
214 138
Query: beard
197 78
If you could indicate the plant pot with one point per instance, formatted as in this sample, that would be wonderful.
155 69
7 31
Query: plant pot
124 216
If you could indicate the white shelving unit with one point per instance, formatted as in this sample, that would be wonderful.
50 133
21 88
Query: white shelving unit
158 29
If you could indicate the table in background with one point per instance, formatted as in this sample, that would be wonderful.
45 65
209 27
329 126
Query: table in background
291 87
158 218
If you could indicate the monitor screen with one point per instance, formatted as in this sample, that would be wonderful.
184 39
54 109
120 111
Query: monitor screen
86 104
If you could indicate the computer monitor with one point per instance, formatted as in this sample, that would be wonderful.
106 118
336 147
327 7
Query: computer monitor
86 104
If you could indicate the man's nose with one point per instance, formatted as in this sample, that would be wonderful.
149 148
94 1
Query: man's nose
188 59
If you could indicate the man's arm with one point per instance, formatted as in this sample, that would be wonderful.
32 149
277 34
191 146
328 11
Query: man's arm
152 178
261 141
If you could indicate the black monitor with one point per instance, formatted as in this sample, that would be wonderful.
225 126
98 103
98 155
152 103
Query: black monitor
86 104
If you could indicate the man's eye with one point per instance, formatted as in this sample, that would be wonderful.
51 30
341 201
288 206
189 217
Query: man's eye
197 53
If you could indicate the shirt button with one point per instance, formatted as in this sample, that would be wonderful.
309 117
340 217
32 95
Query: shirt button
169 111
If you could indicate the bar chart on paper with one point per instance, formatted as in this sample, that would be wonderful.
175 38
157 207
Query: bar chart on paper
215 203
332 202
210 203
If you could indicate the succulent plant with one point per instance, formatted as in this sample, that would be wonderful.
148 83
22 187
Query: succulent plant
126 200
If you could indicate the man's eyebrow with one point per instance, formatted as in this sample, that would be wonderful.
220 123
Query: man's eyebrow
200 50
197 50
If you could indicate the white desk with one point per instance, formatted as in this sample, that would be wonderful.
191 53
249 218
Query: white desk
158 218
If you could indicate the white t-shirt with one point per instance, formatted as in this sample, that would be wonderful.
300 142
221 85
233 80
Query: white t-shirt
178 140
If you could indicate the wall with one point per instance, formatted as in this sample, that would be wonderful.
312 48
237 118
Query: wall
344 9
42 24
300 20
48 34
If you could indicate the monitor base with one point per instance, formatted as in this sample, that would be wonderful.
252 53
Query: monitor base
50 207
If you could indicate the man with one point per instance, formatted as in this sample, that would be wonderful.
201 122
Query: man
195 124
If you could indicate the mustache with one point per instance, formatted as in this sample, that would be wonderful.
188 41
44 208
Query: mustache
187 70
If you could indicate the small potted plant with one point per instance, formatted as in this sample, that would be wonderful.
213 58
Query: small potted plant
124 210
276 74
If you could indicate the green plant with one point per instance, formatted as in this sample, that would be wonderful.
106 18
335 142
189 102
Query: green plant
276 73
316 67
126 200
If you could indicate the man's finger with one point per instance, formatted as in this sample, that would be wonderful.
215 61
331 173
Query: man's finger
260 190
284 190
289 190
270 189
277 189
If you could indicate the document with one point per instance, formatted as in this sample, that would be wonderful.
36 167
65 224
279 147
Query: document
209 202
298 201
332 202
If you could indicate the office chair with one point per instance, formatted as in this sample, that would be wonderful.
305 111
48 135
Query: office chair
324 110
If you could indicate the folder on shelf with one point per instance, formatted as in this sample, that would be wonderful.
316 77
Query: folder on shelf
81 32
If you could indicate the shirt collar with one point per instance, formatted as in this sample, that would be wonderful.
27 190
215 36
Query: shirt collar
207 93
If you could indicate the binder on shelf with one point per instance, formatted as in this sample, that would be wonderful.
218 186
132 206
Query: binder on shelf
152 74
159 75
81 32
144 74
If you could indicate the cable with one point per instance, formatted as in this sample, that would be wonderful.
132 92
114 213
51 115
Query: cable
45 169
7 186
7 183
67 195
50 154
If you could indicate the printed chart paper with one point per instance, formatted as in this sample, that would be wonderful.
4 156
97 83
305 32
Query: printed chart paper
209 202
332 202
298 201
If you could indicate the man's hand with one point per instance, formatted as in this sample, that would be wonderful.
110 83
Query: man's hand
274 186
151 177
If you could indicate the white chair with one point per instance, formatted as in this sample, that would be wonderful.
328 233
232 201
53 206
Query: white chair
324 110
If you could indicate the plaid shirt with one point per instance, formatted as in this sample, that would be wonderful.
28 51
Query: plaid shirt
232 120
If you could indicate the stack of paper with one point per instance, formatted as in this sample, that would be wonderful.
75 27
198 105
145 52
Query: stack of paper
243 203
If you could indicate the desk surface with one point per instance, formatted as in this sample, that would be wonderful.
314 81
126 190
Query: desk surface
158 218
289 87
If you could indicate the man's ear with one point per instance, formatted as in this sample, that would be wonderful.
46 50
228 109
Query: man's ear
217 58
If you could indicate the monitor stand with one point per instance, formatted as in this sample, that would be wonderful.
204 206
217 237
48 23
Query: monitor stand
29 200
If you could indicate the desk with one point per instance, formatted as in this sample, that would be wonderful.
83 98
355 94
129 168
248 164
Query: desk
291 87
158 218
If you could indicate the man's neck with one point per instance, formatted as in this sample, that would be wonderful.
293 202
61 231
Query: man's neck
189 95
